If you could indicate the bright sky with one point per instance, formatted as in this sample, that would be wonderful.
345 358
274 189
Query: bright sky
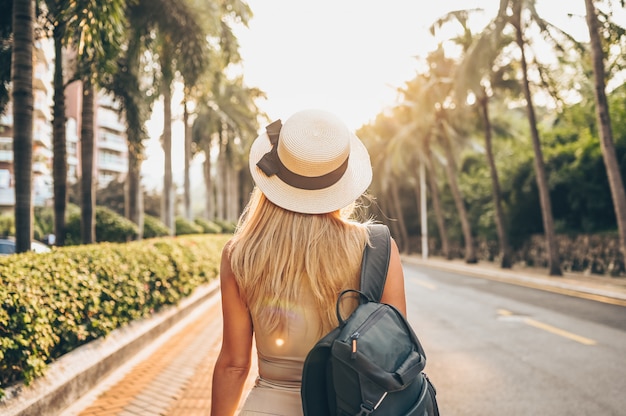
345 56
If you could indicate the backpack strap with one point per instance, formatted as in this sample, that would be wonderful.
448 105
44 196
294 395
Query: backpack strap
376 262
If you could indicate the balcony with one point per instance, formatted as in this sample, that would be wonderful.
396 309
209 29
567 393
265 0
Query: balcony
40 82
7 197
42 110
112 142
42 139
41 168
115 166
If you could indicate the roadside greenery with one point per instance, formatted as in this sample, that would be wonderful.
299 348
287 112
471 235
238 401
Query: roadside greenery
55 302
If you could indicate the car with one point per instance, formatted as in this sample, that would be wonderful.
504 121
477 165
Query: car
7 246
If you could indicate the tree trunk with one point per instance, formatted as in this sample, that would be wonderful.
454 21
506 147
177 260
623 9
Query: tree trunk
436 201
168 198
397 207
59 158
187 184
134 192
135 120
220 180
422 206
554 267
209 203
604 126
87 156
470 250
233 194
22 96
505 249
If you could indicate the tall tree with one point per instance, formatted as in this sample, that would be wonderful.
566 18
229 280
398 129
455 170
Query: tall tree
604 124
182 49
22 98
522 15
479 79
554 262
55 24
97 30
448 133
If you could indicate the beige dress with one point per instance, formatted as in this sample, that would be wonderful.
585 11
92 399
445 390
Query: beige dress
281 358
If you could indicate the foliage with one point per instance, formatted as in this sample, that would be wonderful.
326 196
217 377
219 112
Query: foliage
208 227
54 302
184 226
154 227
110 227
112 196
226 226
7 225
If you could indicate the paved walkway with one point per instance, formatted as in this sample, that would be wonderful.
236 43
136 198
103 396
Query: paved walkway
173 377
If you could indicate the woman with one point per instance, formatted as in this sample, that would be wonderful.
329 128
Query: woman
294 251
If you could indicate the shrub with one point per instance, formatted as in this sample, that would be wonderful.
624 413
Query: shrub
208 227
54 302
7 225
153 227
184 227
110 227
227 226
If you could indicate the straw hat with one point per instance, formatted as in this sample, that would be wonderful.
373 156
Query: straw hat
312 164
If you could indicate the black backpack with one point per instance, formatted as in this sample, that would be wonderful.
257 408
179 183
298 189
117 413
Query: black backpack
372 363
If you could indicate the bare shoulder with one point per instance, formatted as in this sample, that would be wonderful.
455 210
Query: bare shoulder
226 270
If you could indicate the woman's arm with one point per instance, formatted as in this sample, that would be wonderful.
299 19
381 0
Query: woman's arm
393 293
233 363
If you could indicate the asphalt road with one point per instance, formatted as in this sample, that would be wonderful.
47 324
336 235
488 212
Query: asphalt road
499 349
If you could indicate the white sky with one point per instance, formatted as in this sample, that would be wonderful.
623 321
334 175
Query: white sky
345 56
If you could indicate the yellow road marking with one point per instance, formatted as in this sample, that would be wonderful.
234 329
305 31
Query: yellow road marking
552 329
425 284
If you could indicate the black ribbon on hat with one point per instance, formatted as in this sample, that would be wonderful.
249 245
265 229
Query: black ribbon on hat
271 165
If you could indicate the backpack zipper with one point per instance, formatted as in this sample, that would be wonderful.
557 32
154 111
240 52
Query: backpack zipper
363 328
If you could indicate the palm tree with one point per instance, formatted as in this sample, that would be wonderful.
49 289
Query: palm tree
416 137
468 78
217 24
513 13
445 130
22 98
59 159
182 47
604 124
97 30
554 265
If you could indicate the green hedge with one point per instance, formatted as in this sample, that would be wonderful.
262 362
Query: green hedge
154 227
110 226
55 302
184 227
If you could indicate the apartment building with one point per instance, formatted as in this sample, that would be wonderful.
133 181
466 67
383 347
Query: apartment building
111 158
43 56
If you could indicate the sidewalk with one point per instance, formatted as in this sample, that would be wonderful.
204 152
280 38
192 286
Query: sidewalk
595 287
174 377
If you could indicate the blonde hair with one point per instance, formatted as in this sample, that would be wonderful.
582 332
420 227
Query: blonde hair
276 254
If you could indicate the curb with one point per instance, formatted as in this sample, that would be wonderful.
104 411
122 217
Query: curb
552 284
75 373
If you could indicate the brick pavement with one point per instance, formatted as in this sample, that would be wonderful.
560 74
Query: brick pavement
174 380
